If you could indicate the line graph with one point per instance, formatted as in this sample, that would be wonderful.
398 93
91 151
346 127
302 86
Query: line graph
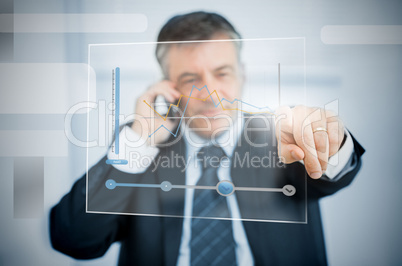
221 107
204 99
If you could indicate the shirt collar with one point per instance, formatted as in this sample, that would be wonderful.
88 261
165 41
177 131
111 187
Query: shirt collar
227 140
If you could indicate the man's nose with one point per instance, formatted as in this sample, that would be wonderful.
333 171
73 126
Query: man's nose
213 88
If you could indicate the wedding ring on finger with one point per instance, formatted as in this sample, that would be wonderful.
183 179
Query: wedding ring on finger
320 129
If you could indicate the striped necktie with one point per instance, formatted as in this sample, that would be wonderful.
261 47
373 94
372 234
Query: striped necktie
212 240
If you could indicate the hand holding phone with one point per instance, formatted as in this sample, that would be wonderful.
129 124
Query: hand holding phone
147 120
163 107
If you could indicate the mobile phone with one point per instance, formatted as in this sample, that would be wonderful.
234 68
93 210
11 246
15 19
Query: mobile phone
161 106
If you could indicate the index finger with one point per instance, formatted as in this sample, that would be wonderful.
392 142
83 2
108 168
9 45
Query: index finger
304 137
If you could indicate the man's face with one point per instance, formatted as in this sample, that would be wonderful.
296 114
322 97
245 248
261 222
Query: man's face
216 65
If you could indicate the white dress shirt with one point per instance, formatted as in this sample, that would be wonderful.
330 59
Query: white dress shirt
194 143
227 140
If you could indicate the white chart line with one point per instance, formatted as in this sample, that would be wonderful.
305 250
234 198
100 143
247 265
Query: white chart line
226 189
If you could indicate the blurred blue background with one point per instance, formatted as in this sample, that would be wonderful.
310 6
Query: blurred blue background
43 74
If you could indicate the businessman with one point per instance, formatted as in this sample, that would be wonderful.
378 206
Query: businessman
211 141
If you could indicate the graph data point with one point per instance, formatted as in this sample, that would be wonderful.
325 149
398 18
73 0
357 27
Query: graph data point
225 188
110 184
166 186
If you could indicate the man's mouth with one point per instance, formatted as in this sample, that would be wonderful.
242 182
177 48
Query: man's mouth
211 112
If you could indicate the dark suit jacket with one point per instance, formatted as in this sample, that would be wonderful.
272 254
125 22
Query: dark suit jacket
149 240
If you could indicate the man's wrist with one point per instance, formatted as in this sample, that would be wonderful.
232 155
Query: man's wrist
344 139
338 162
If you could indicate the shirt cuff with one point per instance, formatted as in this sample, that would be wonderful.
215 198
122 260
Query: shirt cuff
132 148
338 162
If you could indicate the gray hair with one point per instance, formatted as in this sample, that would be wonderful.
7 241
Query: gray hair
192 27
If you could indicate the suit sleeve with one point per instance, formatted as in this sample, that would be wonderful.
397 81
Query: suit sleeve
83 235
325 186
79 234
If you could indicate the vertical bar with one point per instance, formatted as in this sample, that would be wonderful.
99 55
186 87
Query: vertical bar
117 110
279 84
113 102
28 187
279 104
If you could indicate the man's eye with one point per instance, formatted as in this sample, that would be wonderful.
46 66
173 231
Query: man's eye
222 74
189 81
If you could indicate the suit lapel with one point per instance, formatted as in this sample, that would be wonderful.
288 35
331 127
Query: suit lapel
246 176
172 202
